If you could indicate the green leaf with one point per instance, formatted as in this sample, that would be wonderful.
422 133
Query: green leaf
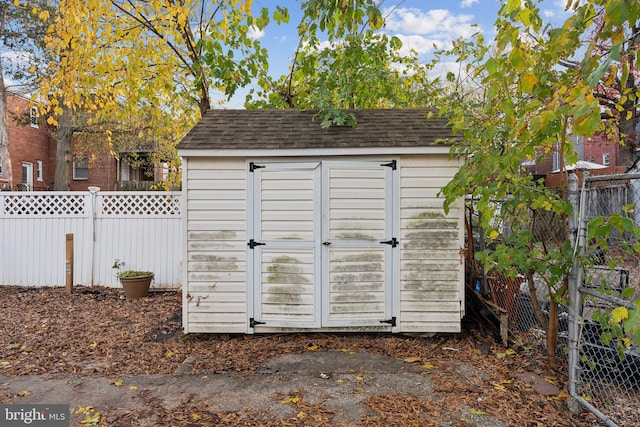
617 11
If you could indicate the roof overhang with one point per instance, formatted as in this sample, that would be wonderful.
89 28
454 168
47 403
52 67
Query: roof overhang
315 152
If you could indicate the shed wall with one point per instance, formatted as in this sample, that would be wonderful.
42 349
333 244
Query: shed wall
431 268
215 295
428 290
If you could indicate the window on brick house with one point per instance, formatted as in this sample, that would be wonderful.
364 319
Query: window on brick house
39 171
33 117
80 168
606 159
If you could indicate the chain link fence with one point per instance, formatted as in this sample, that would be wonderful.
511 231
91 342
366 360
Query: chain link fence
604 373
607 369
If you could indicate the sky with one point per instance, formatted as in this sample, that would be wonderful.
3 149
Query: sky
420 24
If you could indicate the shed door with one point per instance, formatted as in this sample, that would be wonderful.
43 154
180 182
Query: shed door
323 244
357 242
285 244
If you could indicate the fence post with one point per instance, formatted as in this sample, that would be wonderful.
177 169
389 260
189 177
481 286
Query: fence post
69 264
574 296
93 191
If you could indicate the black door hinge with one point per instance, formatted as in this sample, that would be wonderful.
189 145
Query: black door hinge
393 242
392 164
391 321
253 322
253 166
252 244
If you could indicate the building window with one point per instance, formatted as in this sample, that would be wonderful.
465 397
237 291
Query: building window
33 117
605 159
80 168
27 177
39 171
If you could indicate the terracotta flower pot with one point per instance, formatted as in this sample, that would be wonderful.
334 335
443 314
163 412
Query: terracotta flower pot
136 286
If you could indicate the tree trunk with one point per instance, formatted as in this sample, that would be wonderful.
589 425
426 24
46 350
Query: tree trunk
5 158
552 333
64 135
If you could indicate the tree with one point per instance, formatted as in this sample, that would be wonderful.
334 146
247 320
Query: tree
360 68
19 31
158 60
532 105
617 87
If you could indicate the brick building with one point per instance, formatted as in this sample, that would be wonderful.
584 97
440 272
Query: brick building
31 147
32 153
597 149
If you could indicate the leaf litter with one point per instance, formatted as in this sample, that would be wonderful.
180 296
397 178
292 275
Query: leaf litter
94 332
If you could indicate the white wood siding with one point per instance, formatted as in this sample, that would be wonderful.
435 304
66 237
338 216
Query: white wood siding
432 269
215 295
141 229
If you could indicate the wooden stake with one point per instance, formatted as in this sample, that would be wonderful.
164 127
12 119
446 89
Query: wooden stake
69 264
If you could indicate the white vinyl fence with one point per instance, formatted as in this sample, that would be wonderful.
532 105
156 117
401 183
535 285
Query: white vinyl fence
141 229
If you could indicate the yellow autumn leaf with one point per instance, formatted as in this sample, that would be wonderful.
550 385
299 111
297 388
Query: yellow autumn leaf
499 387
290 400
359 378
91 420
428 366
83 410
340 381
563 395
477 412
133 387
196 417
412 359
312 348
619 314
510 352
116 383
301 415
93 345
528 81
493 235
24 393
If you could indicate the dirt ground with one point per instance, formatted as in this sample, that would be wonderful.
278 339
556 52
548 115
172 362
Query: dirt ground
127 363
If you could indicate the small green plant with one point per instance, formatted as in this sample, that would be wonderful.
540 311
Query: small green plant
117 265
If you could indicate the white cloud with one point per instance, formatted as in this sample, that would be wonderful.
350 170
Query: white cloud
255 34
420 44
434 21
421 30
468 3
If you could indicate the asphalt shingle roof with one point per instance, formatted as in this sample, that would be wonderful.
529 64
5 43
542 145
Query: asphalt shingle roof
287 129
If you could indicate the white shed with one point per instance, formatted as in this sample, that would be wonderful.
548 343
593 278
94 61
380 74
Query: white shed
292 227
